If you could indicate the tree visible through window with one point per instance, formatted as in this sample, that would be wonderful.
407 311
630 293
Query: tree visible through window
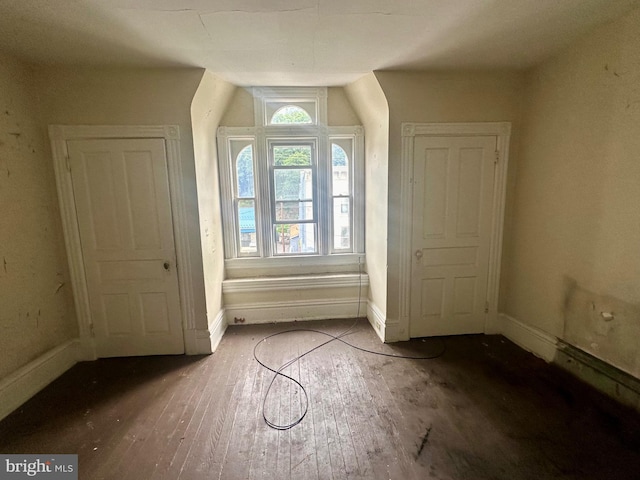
291 114
246 202
293 198
291 185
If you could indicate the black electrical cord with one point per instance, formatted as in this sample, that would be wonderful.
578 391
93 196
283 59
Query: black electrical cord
332 338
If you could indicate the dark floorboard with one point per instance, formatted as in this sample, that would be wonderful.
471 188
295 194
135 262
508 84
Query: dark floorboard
483 410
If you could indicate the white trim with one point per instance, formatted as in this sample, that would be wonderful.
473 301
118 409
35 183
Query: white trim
261 139
217 327
264 95
59 135
297 310
529 338
502 130
285 284
25 382
456 129
376 319
234 266
66 201
394 332
203 342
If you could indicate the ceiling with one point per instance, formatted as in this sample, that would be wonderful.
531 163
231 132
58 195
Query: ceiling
297 42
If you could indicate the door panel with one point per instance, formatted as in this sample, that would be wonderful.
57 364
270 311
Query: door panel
124 215
452 199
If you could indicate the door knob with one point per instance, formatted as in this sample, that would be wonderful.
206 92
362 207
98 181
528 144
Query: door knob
418 254
166 265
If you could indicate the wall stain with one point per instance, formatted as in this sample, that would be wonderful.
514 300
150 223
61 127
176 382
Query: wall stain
602 325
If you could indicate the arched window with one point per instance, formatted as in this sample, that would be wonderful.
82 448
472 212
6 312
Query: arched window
292 185
341 193
244 172
246 202
291 114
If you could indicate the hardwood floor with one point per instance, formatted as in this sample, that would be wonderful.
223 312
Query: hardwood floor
483 410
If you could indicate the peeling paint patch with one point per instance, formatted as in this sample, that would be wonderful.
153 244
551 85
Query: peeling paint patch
602 325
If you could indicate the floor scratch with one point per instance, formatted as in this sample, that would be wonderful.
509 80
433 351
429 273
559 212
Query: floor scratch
424 441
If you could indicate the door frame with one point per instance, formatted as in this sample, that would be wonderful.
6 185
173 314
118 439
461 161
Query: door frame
59 135
501 130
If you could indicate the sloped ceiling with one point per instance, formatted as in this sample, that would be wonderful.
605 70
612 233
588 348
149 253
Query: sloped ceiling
262 42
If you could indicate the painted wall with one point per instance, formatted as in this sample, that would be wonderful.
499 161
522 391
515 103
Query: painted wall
240 110
442 97
369 102
209 103
77 96
574 251
36 304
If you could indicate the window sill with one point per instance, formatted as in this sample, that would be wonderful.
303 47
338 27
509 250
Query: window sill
294 265
299 282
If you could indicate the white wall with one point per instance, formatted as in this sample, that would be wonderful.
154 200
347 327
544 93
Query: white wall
36 303
576 237
369 102
438 98
94 96
207 107
240 110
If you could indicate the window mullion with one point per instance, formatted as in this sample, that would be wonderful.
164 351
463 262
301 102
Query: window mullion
324 195
226 188
264 208
358 191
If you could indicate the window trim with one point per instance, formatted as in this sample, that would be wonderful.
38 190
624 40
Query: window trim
312 142
262 136
263 209
264 96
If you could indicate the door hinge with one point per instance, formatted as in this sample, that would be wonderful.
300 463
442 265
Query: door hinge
497 159
486 307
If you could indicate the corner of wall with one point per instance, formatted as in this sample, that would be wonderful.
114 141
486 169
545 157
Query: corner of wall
24 383
208 105
527 337
217 327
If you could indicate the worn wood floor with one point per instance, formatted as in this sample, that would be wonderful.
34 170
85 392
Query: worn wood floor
483 410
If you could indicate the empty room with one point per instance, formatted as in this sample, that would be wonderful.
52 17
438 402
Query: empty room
350 240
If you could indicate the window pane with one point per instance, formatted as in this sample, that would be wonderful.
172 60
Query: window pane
340 170
294 211
247 226
293 184
293 155
341 224
291 114
244 173
295 238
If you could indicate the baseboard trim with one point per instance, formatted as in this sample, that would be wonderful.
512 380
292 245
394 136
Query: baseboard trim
217 327
376 319
301 282
291 311
394 332
527 337
28 380
610 380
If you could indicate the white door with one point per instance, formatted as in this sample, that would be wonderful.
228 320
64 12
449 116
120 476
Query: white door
452 204
124 214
